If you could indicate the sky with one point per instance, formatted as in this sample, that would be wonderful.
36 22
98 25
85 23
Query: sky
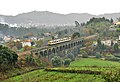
95 7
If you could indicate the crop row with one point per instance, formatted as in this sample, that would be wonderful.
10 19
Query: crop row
74 71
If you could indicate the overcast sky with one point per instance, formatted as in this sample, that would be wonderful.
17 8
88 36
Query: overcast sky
95 7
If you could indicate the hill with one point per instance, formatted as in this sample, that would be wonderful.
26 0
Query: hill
49 18
69 74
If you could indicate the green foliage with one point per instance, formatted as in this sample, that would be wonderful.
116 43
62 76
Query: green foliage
84 54
113 76
118 18
93 62
98 55
7 57
118 29
72 70
45 76
77 24
116 47
71 56
83 70
111 20
76 34
100 47
67 62
39 43
56 61
96 20
29 60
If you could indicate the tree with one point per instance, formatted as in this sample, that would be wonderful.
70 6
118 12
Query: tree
76 34
116 47
118 19
7 57
56 61
71 56
67 62
39 43
111 20
77 24
30 60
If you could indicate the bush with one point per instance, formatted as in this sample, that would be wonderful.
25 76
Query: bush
98 55
29 60
56 61
67 62
7 57
84 54
112 76
71 56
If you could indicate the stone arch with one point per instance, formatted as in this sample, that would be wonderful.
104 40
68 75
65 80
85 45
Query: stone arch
57 49
69 45
53 50
45 53
66 46
74 44
49 51
36 53
41 53
61 48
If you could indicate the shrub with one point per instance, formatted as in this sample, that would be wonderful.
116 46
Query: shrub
84 54
7 57
98 55
29 60
67 62
112 76
71 56
56 61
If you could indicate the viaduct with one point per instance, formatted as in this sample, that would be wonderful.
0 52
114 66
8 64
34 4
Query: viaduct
58 48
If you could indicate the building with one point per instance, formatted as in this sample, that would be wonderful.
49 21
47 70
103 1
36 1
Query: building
117 23
108 42
26 43
7 38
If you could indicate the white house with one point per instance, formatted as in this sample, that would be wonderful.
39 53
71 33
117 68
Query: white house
7 38
33 38
108 42
26 43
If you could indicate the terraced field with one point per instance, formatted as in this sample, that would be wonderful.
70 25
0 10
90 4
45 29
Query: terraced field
70 74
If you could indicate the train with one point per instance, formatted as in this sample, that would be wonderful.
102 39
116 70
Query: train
86 40
58 41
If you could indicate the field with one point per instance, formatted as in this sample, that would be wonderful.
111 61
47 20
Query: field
70 74
93 62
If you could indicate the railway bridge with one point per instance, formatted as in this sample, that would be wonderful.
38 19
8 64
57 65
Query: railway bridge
58 48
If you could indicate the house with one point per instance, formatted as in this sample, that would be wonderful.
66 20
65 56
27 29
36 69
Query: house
108 42
26 43
7 38
117 23
16 40
33 38
47 34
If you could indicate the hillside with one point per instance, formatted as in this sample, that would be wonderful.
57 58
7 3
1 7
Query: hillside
49 18
69 74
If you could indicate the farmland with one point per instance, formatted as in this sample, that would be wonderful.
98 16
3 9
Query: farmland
64 74
93 62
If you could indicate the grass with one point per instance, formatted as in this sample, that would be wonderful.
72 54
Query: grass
44 76
92 64
15 71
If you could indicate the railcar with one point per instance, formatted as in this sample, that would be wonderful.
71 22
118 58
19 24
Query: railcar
58 41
